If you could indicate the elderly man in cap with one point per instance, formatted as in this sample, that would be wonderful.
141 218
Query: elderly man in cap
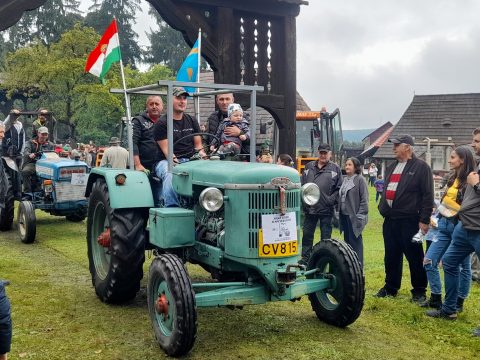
406 206
115 156
30 155
183 125
328 177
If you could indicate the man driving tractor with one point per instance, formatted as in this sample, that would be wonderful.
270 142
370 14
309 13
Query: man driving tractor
33 149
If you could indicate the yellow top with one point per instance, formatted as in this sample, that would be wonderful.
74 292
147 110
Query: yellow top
450 198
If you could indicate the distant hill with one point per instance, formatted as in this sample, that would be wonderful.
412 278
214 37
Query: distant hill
356 135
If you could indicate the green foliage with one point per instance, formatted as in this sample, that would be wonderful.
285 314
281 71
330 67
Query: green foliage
167 45
55 75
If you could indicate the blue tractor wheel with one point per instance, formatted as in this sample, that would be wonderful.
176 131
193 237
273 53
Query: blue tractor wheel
171 305
341 304
116 247
27 222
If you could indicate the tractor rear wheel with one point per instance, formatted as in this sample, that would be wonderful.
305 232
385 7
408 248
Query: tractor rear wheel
171 305
27 222
6 194
116 247
341 304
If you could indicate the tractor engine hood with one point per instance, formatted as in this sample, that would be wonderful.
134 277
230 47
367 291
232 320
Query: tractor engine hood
220 174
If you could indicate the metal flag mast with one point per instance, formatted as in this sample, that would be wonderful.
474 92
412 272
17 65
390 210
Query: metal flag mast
199 59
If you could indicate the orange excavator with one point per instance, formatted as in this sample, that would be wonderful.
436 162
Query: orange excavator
326 128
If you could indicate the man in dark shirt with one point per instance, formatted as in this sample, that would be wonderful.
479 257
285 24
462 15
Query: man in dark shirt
144 146
183 125
406 206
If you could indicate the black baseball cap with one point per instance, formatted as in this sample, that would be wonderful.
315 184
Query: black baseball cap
402 139
324 147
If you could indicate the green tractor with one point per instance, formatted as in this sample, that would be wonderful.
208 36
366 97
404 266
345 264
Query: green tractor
240 222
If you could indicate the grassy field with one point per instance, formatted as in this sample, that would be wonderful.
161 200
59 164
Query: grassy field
57 315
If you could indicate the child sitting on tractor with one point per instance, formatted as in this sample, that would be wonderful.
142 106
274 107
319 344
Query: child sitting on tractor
232 144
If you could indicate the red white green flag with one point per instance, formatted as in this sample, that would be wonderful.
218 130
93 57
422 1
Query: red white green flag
106 52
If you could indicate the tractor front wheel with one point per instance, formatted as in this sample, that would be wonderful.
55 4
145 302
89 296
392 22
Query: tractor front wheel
27 222
171 305
341 304
116 247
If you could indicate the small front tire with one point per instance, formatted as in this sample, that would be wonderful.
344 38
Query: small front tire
171 305
27 222
342 304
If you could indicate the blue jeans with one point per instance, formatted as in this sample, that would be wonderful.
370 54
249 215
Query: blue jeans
464 242
5 322
434 255
167 195
356 243
309 226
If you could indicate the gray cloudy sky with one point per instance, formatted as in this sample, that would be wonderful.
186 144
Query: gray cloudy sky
369 57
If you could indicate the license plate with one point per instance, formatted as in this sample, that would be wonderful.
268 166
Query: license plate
279 249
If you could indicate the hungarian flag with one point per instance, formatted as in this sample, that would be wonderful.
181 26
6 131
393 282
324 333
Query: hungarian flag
106 53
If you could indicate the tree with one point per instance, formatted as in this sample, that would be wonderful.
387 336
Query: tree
167 45
124 11
46 23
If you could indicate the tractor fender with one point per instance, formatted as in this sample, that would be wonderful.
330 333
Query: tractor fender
10 163
136 192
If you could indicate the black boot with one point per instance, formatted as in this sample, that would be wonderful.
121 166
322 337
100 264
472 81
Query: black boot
460 304
435 301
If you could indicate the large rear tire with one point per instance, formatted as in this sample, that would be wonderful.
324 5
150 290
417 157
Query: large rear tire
27 222
342 304
116 267
6 189
171 305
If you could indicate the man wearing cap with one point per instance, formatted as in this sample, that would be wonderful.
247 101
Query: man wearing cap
328 177
30 154
183 125
406 206
144 147
39 122
115 156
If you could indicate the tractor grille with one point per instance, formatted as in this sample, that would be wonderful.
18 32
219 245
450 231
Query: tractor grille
267 202
65 191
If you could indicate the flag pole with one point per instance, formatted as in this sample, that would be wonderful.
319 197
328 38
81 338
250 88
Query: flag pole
127 105
197 99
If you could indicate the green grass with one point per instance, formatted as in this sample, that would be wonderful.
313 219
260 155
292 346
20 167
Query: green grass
57 315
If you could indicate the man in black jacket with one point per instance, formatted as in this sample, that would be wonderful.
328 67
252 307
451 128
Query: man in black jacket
144 146
328 177
217 117
406 206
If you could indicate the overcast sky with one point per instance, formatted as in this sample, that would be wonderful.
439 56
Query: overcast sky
369 57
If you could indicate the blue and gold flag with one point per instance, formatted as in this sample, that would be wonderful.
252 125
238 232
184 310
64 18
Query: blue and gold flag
189 69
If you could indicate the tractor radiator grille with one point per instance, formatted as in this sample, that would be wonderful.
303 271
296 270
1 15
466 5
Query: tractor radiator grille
267 202
65 191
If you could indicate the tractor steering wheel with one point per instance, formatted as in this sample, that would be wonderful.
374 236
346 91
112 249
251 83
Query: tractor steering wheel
205 147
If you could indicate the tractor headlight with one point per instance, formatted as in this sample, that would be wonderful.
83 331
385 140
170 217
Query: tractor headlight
310 193
211 199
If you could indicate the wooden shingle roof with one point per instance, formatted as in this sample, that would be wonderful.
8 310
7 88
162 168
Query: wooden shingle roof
449 118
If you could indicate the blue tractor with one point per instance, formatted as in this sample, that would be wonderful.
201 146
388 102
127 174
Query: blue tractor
59 189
